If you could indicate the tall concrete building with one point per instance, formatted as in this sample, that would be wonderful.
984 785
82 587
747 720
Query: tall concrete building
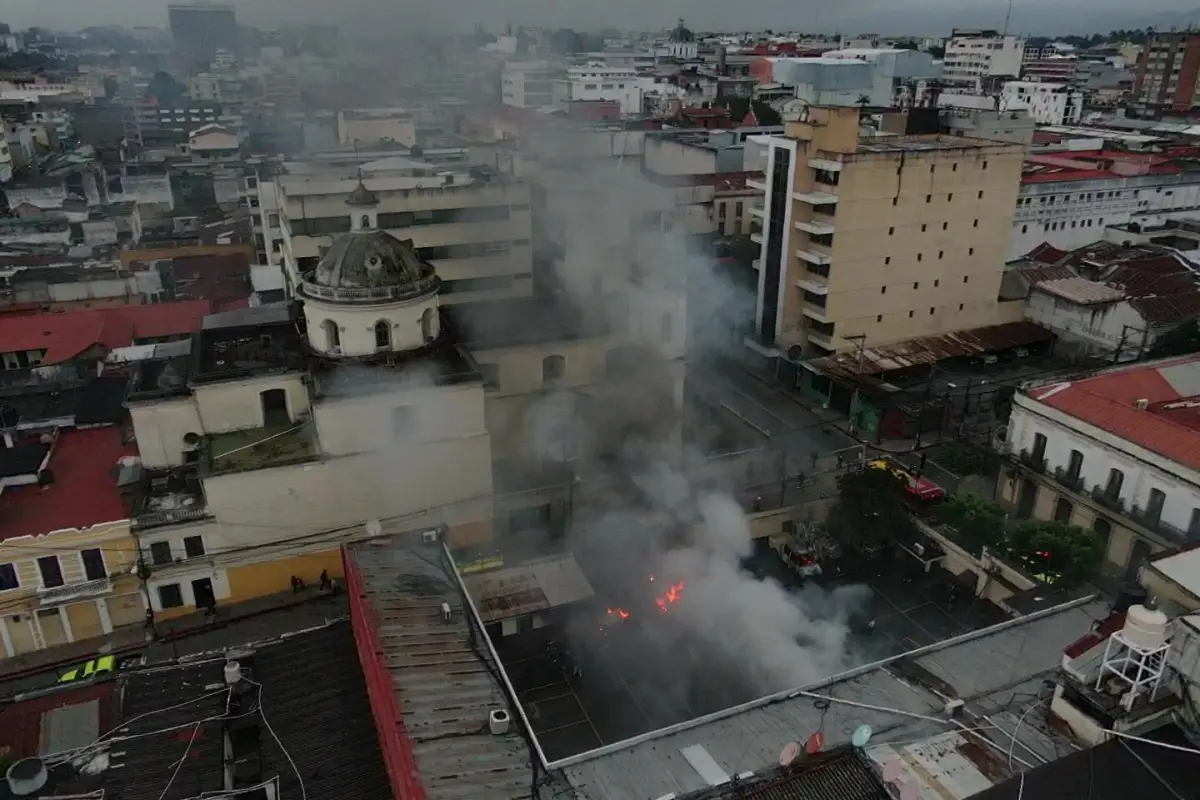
974 55
201 29
1168 72
867 241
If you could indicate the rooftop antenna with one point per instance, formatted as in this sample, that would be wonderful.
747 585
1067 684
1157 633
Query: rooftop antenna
1007 17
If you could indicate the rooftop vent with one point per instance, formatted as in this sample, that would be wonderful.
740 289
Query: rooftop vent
1143 404
498 722
26 777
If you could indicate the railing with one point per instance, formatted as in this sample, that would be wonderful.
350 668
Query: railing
1033 461
75 591
370 294
1153 522
172 516
1108 499
1069 479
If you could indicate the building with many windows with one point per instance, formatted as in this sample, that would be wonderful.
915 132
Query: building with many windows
475 227
878 240
975 55
1117 453
1167 79
528 84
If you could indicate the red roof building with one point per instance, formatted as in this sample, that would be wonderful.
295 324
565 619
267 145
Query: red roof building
81 491
70 335
1155 406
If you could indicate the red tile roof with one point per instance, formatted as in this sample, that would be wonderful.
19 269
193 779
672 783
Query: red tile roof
65 335
1109 402
1046 253
1088 165
84 491
21 722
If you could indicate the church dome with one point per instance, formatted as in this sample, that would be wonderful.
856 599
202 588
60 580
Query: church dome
681 34
371 265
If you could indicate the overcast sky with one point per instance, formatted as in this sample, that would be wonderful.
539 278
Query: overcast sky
931 17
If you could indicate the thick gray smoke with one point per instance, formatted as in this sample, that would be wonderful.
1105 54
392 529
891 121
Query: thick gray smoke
629 256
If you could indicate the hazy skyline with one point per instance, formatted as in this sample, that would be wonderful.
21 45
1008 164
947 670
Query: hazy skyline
925 17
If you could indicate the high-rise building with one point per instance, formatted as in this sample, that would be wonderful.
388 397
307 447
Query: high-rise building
883 239
974 55
1167 73
200 30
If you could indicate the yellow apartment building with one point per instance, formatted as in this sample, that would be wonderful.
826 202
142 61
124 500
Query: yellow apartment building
67 556
868 240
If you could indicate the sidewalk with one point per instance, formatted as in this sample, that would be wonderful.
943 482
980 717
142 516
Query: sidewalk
41 668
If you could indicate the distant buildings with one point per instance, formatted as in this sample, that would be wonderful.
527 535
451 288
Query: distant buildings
974 55
200 30
1167 74
1047 103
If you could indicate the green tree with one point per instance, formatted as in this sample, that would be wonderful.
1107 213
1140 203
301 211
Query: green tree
111 85
1183 340
1062 554
937 51
979 523
870 510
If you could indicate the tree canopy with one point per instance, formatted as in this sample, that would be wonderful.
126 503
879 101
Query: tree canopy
166 90
870 509
1181 341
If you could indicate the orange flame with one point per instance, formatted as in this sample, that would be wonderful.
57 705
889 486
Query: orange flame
670 597
618 614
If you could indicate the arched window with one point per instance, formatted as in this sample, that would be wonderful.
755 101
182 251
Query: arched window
333 339
365 222
383 335
430 328
553 368
1063 510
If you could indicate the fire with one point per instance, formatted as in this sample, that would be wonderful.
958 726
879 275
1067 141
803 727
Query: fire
670 597
617 615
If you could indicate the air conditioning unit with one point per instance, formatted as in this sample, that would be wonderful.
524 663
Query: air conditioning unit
430 536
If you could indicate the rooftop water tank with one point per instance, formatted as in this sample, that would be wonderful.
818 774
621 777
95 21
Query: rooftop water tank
1145 628
233 672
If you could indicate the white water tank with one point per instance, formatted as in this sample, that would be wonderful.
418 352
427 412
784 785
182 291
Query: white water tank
26 777
498 722
233 672
1145 628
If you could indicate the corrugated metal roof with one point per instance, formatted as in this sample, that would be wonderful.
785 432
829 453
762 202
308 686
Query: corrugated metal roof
536 586
931 349
1082 291
445 690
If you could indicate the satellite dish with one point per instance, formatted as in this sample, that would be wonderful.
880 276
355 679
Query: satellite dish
892 770
910 791
862 735
789 754
815 743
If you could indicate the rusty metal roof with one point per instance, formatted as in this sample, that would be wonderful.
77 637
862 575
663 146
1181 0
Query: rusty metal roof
931 349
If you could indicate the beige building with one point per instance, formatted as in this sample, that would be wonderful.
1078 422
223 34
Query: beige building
367 406
1115 454
373 126
475 229
880 239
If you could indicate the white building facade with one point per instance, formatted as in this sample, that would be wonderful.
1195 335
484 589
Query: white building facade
528 84
972 55
1047 103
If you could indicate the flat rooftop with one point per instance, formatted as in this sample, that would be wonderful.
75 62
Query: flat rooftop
928 143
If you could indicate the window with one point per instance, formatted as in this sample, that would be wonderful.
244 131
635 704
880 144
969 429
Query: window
383 335
928 198
273 220
985 165
333 339
960 306
891 231
945 225
919 256
1039 446
553 368
980 197
93 564
1193 531
966 278
251 183
364 221
8 577
404 422
895 200
932 167
931 311
941 253
924 228
51 571
954 167
917 285
170 596
975 224
883 290
950 197
1075 464
970 251
910 314
1154 507
1063 510
936 283
193 546
879 318
887 260
1115 479
160 553
737 210
430 325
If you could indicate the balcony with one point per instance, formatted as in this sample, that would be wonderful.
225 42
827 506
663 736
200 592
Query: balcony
815 227
818 257
815 198
1109 499
166 497
1068 479
1153 522
814 283
1033 461
757 210
815 311
755 183
173 516
819 339
75 591
757 264
756 237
